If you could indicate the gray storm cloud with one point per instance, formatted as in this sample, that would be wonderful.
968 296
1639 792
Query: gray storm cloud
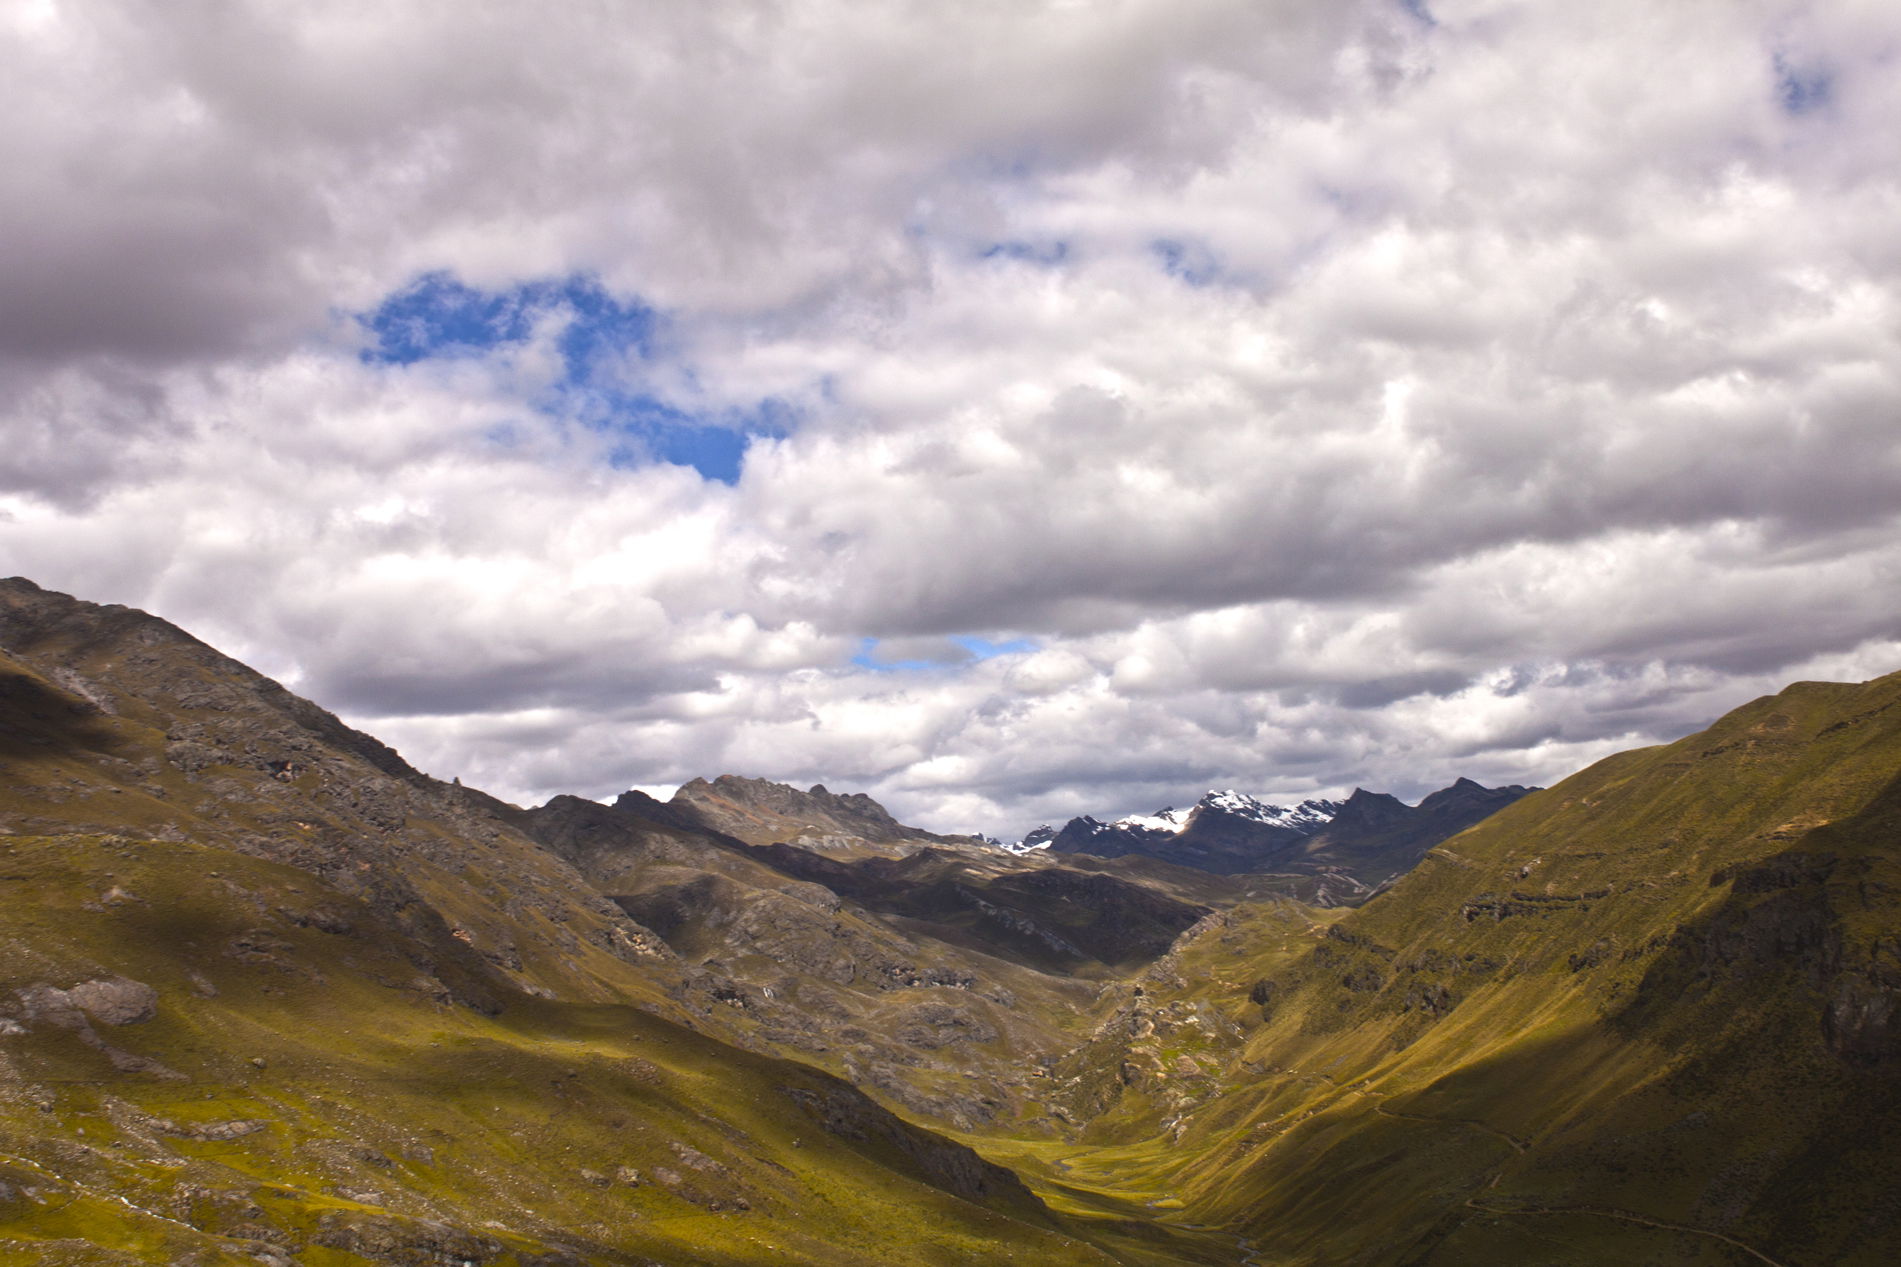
1307 394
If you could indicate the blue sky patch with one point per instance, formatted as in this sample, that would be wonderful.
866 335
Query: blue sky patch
867 658
438 315
970 650
1048 254
603 341
1802 90
1190 262
714 445
984 649
1419 10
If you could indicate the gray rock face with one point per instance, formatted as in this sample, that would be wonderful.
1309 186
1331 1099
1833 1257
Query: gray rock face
109 1000
116 1000
761 812
936 1025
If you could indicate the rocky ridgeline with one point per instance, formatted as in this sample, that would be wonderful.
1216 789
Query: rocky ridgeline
761 812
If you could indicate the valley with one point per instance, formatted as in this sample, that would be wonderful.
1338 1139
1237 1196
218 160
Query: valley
269 994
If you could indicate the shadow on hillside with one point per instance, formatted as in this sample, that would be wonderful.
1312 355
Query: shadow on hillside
1393 1173
1056 919
1743 1089
1795 929
1435 1176
37 720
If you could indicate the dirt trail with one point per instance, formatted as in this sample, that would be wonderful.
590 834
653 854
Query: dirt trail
1625 1216
1518 1145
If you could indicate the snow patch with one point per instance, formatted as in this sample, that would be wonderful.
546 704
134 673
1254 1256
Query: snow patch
1037 839
1306 818
1170 820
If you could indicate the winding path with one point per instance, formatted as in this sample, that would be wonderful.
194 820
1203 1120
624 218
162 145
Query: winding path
1518 1145
1624 1216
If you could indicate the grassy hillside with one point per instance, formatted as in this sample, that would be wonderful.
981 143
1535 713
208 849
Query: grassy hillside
1644 1016
299 1087
268 993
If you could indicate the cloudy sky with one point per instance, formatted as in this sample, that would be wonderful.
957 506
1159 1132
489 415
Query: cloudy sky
1010 409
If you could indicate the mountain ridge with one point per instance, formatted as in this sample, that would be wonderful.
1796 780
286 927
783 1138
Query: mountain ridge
762 812
1371 837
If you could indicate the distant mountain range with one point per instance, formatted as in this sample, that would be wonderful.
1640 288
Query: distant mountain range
1371 836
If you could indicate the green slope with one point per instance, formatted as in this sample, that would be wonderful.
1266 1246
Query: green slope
1644 1016
299 1086
269 994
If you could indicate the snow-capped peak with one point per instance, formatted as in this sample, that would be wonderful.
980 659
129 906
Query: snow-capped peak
1240 804
1308 816
1168 820
1040 838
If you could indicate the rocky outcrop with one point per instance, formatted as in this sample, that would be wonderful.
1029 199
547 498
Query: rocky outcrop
761 812
1794 925
108 1000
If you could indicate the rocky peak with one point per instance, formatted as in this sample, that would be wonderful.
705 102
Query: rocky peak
761 812
1363 810
1464 795
1038 838
1306 817
763 796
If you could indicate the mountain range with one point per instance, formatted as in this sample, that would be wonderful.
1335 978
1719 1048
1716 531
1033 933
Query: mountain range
270 994
1369 838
